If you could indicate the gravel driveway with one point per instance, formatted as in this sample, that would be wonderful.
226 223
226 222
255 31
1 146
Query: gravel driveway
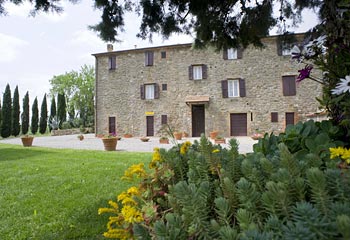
125 144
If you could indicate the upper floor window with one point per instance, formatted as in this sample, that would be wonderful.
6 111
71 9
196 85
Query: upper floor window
149 58
164 87
289 86
149 91
233 88
163 54
274 116
232 53
197 72
112 62
285 48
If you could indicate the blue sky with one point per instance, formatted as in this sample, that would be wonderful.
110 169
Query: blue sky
34 49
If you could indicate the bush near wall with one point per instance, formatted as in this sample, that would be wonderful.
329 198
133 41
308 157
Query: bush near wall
288 188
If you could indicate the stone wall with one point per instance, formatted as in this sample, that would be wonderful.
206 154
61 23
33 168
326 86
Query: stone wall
118 91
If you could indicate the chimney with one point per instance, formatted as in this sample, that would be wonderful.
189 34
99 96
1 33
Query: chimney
110 47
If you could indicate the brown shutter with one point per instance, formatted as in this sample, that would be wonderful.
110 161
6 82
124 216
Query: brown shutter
239 53
288 85
190 72
279 47
224 54
148 58
241 87
274 117
224 88
164 119
142 91
156 91
204 71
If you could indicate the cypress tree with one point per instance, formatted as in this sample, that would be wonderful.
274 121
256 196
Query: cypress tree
15 113
61 108
6 113
53 112
0 115
43 116
35 117
25 114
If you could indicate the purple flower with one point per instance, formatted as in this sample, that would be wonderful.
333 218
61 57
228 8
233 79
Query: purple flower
304 73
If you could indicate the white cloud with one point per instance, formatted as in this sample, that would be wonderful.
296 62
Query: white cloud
86 38
10 47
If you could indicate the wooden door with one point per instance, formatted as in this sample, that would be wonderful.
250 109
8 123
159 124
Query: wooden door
198 120
289 118
111 125
149 126
238 124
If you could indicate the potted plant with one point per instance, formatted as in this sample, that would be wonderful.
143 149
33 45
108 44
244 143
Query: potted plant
27 140
213 134
127 135
144 139
178 135
80 137
110 142
220 140
258 134
185 134
164 140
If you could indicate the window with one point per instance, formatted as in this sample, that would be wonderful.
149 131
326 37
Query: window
149 58
164 87
233 88
112 62
163 54
274 117
149 91
197 72
285 48
164 119
232 53
288 85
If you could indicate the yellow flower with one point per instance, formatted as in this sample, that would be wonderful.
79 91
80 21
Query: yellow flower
106 210
184 147
346 154
118 220
336 152
216 151
118 233
137 170
113 204
133 191
156 158
131 214
125 198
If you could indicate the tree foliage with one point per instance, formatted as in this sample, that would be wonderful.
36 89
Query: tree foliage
15 113
43 116
219 22
78 88
6 113
25 114
61 108
35 117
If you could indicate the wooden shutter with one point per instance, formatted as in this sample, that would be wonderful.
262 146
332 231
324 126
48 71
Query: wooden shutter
112 62
142 91
164 87
274 117
190 72
156 91
224 54
204 71
224 88
164 119
288 85
148 58
239 53
279 47
289 118
242 88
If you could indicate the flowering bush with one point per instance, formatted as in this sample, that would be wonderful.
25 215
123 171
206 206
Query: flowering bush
288 188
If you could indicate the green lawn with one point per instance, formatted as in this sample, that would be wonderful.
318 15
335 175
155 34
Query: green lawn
55 194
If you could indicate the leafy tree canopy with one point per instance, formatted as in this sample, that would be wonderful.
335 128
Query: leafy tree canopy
218 22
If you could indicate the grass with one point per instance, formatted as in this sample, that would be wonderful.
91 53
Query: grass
55 194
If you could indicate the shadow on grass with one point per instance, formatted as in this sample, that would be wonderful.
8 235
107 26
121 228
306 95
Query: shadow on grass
19 153
83 225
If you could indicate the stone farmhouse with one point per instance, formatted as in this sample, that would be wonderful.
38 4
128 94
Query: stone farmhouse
234 91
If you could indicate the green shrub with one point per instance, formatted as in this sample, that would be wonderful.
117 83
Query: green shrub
66 125
289 188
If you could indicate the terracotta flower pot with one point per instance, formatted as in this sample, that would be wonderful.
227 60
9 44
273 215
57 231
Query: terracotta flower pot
144 139
220 141
164 141
213 134
128 135
110 144
178 135
27 141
